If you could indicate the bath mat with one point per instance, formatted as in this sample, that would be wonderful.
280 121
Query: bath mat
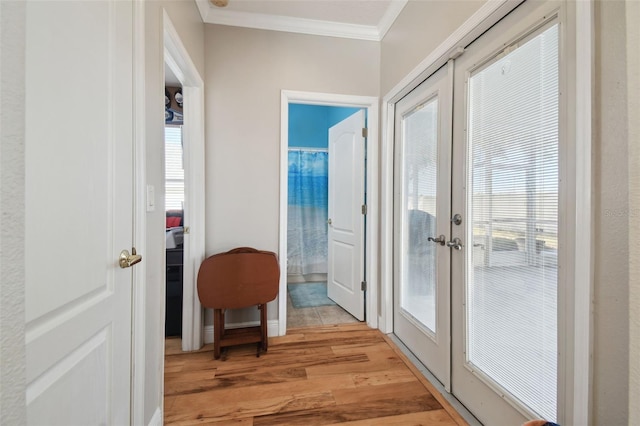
308 295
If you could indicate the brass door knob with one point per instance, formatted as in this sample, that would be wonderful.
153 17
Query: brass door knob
127 260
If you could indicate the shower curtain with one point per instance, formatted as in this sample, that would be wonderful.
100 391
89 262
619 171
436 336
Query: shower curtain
307 212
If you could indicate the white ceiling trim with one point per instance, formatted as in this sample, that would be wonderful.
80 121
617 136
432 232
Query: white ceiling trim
214 15
390 17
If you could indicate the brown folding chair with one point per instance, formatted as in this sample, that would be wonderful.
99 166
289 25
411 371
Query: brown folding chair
239 278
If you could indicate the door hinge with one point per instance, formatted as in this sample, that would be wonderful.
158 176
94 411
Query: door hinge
364 209
365 132
363 286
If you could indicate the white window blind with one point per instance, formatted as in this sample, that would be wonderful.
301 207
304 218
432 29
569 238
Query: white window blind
174 170
513 203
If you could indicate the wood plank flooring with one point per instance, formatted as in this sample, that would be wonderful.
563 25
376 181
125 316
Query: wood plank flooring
340 374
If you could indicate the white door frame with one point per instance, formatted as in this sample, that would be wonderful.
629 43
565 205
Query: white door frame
178 60
139 302
576 320
371 231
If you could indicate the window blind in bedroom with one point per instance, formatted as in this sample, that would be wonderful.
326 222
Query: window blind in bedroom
174 169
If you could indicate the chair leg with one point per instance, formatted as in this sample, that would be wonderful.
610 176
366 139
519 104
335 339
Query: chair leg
218 329
263 326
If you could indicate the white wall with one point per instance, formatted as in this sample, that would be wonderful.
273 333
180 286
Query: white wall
186 19
246 70
12 213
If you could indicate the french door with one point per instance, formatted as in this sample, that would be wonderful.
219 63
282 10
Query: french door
422 211
482 252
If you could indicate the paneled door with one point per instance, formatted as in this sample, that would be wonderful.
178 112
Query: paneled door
422 221
505 186
346 219
79 211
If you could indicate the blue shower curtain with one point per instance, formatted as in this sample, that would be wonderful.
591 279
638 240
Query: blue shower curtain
307 212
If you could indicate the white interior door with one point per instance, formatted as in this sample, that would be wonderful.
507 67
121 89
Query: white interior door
79 210
422 200
505 185
346 219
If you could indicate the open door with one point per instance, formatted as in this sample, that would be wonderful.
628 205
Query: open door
79 210
346 214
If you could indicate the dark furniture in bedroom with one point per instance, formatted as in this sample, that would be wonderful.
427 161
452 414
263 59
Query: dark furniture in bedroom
174 274
173 313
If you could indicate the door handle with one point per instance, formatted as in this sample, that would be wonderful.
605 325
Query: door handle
440 240
127 260
329 222
456 243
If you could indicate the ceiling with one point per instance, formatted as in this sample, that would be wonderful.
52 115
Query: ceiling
357 19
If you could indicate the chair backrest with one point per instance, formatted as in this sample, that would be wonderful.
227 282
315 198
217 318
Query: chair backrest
238 278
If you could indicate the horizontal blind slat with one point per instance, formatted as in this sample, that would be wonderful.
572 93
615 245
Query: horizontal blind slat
174 172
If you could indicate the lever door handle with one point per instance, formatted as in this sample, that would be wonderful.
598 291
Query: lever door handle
127 260
440 240
456 243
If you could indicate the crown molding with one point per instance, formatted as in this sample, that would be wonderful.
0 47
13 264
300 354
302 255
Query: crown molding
390 17
214 15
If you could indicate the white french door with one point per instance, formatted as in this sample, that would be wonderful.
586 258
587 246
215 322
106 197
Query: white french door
505 183
422 211
481 311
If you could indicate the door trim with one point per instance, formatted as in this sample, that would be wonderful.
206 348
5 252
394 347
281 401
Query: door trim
576 321
178 60
139 301
371 178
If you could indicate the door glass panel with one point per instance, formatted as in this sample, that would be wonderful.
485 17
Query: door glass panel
420 182
513 204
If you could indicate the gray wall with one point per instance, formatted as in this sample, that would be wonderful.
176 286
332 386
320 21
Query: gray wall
12 186
421 27
246 70
186 19
614 219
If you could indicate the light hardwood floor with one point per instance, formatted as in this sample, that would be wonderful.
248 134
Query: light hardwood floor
340 374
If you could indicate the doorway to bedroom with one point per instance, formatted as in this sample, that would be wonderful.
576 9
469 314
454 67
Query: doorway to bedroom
309 225
174 205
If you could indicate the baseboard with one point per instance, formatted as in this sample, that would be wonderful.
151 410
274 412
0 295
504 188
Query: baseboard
308 278
156 420
272 328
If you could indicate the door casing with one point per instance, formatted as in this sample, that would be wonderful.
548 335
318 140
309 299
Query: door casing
178 60
371 230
